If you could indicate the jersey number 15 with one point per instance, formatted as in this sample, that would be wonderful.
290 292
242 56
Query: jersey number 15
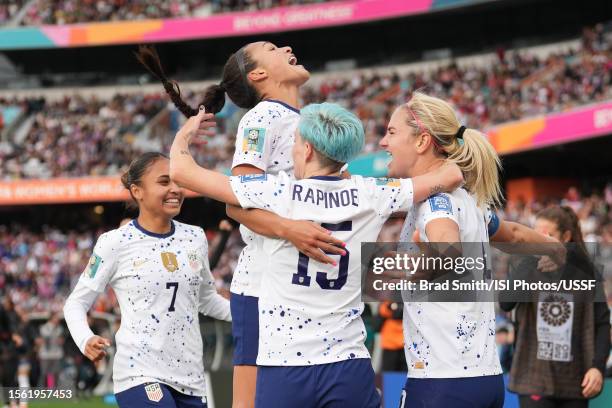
302 278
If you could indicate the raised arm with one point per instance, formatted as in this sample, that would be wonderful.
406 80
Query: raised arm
187 173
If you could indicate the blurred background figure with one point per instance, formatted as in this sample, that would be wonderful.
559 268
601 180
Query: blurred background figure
392 336
51 352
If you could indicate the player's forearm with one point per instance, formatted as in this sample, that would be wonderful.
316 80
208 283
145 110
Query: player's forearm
515 233
435 182
188 174
75 314
259 221
214 305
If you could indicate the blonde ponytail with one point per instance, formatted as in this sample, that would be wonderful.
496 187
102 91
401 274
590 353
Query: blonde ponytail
479 163
471 151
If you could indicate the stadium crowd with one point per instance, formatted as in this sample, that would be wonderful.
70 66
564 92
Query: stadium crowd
39 268
517 85
79 136
8 9
85 11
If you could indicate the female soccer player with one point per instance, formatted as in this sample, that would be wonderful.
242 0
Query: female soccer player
265 79
159 271
311 346
450 346
569 370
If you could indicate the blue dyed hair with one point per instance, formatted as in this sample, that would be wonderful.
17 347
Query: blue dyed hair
333 131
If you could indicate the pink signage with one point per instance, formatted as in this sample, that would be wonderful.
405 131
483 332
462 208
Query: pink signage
576 124
229 24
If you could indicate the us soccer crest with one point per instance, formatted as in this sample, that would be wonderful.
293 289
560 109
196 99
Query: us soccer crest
154 392
253 140
169 260
194 261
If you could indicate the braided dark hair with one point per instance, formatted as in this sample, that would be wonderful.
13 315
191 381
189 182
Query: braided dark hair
234 82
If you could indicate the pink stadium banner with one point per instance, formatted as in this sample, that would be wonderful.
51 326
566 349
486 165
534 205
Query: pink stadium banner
573 125
221 25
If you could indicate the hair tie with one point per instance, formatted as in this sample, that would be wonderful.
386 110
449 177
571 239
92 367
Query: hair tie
459 134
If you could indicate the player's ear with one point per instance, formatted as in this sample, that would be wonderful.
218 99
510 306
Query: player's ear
308 151
422 142
257 75
136 192
566 236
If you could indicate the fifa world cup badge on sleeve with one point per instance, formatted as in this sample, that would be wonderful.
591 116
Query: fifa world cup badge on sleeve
194 261
389 182
253 140
253 177
92 267
169 261
154 392
440 202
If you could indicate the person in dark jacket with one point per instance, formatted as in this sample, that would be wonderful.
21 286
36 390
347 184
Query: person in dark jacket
562 342
9 341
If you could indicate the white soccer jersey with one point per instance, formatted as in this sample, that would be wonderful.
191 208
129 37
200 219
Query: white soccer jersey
450 339
265 138
310 313
161 283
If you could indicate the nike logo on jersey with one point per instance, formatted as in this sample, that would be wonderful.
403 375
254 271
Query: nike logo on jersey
139 262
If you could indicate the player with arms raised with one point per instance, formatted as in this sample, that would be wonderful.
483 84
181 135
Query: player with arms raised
311 347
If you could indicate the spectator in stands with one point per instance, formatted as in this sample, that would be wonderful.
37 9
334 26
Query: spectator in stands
73 11
51 352
571 373
504 338
8 9
9 341
80 136
25 351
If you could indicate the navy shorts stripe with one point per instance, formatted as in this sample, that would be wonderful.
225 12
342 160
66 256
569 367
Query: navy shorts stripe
471 392
245 328
348 383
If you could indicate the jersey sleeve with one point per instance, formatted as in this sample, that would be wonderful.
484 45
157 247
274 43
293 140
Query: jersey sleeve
75 314
102 263
389 195
210 303
254 139
435 207
263 191
493 221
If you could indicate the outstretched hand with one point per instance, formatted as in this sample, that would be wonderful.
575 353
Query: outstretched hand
198 125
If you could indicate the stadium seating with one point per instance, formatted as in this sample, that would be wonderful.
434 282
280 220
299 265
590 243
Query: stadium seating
42 12
515 84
